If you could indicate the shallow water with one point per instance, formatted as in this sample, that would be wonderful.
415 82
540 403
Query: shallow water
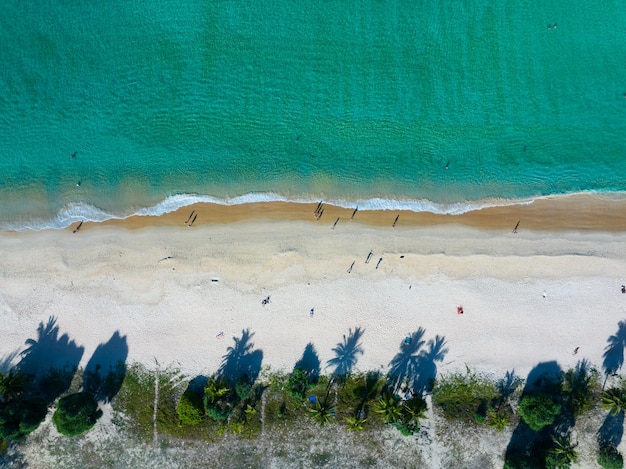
350 101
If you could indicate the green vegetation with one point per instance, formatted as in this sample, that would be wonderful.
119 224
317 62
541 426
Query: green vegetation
465 397
76 413
614 400
610 458
190 409
563 454
538 410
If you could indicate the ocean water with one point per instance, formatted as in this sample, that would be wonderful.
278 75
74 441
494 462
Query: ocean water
354 101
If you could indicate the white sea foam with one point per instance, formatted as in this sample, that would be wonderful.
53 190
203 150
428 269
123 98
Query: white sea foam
77 212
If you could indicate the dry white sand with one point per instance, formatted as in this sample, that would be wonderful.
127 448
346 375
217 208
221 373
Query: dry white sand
528 298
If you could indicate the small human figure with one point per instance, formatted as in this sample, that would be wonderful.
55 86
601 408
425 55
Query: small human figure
318 208
190 215
379 261
354 213
335 224
623 288
369 256
220 335
78 183
459 309
193 221
73 155
395 221
78 227
576 350
311 312
350 268
516 227
447 165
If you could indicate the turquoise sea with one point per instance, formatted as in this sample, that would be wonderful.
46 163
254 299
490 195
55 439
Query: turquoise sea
363 102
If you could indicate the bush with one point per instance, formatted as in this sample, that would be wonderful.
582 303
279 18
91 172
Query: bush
463 396
609 458
190 409
538 410
76 414
298 383
19 417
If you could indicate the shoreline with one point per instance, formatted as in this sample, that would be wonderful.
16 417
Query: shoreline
578 212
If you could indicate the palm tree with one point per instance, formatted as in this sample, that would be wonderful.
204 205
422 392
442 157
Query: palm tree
413 411
388 406
12 384
614 400
497 420
564 451
322 411
355 424
215 390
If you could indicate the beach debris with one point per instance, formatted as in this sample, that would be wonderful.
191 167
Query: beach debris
220 335
190 215
78 227
215 280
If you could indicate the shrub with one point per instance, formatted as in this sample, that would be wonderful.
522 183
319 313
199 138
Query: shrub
243 387
189 408
20 417
298 383
463 396
76 414
610 458
538 410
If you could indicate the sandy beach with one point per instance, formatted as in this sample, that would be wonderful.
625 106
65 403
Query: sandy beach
169 290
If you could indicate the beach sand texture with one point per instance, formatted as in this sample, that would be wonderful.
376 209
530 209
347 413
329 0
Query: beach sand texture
169 290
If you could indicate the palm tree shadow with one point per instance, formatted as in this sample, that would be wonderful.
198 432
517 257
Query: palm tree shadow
405 363
241 360
346 353
525 444
426 371
611 431
6 362
50 360
613 357
309 363
106 368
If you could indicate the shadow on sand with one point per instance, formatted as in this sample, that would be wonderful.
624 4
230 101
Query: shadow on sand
241 360
105 372
346 353
613 357
414 368
50 360
309 363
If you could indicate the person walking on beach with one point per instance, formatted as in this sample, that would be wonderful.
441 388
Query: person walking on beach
379 261
395 221
311 312
369 256
350 268
190 215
